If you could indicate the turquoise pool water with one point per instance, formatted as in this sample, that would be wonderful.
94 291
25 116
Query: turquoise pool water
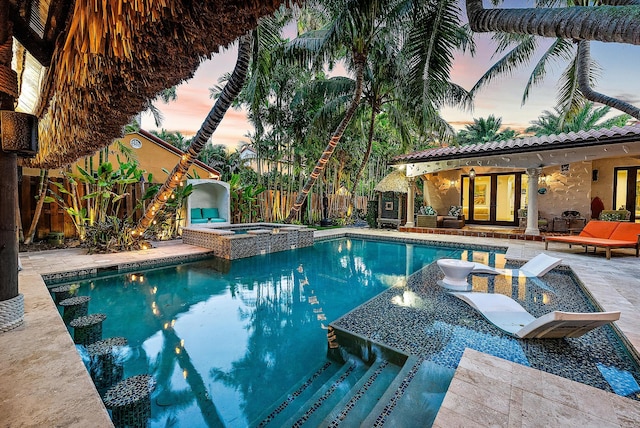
226 340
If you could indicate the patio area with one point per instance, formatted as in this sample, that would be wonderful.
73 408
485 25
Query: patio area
44 383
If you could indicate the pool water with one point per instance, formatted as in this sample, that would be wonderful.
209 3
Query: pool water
226 341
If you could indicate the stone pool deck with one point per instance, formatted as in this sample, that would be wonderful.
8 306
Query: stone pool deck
43 381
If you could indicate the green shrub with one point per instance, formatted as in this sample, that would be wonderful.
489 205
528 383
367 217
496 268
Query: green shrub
372 213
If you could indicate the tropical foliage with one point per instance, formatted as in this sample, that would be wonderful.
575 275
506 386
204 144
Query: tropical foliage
93 199
484 130
588 117
588 21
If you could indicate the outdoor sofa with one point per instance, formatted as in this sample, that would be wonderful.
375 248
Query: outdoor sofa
603 234
206 215
429 218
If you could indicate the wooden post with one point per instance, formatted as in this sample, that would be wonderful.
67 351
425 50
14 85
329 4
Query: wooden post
8 185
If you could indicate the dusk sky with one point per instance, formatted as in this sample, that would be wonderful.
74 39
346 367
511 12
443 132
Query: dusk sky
619 78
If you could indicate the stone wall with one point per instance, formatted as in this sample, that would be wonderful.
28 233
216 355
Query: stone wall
228 245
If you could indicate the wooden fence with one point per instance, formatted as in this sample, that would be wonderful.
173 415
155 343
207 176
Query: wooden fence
274 206
53 218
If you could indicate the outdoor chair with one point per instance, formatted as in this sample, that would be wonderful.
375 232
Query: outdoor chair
536 267
507 314
543 223
454 218
614 215
570 221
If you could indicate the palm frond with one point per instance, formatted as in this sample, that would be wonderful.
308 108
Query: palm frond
518 56
560 48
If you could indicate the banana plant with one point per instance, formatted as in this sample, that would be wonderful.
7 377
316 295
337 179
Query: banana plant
103 193
244 206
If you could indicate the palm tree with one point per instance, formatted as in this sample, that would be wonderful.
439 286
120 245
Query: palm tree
484 130
352 27
428 33
175 138
576 23
166 96
588 117
614 22
211 122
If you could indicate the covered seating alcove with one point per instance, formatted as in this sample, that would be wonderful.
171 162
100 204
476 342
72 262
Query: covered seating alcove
209 203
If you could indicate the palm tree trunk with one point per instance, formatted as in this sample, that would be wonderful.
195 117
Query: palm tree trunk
42 191
333 142
365 160
583 66
576 22
211 122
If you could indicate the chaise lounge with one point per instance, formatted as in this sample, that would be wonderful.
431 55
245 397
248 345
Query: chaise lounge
603 234
507 314
536 267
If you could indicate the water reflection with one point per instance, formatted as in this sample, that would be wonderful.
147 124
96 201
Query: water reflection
225 341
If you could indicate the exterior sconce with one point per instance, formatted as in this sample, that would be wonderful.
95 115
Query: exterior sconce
472 173
19 133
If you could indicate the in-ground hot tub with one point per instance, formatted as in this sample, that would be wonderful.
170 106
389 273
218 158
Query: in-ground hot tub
237 241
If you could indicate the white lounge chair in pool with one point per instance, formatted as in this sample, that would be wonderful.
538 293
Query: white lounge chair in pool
507 314
537 266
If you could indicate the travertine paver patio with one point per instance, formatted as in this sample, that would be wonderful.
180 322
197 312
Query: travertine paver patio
43 381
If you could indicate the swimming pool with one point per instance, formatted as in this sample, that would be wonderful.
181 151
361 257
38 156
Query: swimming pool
224 346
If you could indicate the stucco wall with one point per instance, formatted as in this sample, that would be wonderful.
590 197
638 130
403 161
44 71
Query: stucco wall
570 190
151 158
603 188
441 190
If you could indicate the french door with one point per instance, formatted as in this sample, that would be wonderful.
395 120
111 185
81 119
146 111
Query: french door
626 191
493 199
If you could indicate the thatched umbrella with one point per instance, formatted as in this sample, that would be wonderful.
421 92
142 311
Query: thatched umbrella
398 183
395 181
108 58
84 68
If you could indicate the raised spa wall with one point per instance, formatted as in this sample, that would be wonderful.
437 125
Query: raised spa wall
228 245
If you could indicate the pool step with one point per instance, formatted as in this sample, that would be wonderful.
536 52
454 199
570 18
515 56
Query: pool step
415 395
290 402
363 397
351 395
311 413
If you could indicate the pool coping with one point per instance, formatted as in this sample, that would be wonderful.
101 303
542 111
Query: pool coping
36 396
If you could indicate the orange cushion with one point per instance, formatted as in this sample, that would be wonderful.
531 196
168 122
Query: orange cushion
594 242
599 229
626 231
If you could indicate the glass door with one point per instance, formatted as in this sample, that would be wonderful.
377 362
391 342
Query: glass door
482 198
506 198
626 191
492 198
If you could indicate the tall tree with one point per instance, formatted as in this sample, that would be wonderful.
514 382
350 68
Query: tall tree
576 23
210 124
353 26
428 32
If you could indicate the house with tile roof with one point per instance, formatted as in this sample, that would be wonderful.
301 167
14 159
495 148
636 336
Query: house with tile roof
547 175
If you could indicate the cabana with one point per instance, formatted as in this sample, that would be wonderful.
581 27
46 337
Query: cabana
392 201
209 203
